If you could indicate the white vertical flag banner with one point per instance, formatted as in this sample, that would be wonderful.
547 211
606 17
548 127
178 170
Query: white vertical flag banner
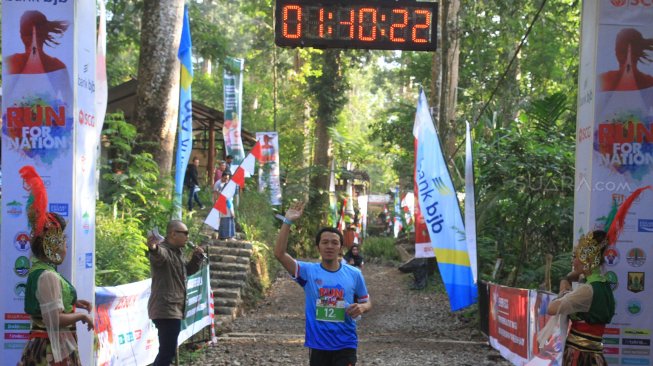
268 176
49 122
233 91
614 158
470 204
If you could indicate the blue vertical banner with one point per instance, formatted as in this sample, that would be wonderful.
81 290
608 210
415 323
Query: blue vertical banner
441 211
185 129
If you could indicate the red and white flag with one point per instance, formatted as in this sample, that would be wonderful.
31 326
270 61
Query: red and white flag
246 168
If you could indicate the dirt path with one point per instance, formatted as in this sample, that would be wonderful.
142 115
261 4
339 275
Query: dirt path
405 327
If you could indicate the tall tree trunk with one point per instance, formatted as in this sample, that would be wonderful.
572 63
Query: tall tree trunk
157 96
449 83
329 89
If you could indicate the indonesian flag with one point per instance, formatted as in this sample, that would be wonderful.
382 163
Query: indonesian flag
246 168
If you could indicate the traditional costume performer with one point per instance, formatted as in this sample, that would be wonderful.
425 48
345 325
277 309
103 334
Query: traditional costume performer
590 306
50 299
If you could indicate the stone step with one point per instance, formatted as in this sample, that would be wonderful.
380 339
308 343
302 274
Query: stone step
223 283
226 293
228 259
228 275
230 267
226 310
217 250
232 244
232 303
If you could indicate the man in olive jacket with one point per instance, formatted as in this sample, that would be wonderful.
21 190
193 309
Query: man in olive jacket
167 304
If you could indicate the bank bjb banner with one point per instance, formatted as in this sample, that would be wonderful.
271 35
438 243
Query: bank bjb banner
268 177
615 157
125 334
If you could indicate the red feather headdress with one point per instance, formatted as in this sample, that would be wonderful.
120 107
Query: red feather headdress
38 202
618 223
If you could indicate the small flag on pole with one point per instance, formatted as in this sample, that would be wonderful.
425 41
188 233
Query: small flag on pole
228 191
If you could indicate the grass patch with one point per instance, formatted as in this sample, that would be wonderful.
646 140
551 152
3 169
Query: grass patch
379 247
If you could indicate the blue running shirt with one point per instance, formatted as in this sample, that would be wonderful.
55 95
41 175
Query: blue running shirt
331 288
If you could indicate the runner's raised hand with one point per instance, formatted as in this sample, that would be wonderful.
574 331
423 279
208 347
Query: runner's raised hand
295 211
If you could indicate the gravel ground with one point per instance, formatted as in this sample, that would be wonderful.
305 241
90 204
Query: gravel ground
407 328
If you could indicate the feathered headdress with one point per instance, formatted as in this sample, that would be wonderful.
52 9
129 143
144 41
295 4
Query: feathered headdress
47 227
38 200
617 224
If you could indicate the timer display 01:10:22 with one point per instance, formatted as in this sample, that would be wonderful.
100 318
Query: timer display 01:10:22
393 25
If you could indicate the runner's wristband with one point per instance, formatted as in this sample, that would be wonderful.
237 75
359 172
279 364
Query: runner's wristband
283 219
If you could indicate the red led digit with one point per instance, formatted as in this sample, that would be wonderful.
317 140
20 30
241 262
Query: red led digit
297 10
361 20
321 26
350 23
425 25
402 24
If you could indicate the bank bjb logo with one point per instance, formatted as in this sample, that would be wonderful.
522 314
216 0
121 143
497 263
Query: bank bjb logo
21 241
611 257
19 289
635 282
634 307
21 266
612 280
636 257
14 208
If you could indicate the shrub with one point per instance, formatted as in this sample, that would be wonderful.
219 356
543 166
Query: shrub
120 249
378 247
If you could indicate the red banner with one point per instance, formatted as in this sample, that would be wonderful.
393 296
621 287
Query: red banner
509 321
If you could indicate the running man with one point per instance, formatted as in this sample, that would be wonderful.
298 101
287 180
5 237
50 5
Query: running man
329 289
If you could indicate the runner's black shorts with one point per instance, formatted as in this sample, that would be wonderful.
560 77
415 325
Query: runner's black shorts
342 357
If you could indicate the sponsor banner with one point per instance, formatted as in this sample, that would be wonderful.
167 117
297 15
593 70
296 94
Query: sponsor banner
126 335
87 140
233 94
615 155
550 353
39 119
378 199
185 122
509 323
268 172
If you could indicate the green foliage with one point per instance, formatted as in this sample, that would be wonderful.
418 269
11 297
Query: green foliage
130 181
379 247
123 39
525 188
255 214
120 249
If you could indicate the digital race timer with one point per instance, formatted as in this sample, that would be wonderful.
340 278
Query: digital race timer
380 24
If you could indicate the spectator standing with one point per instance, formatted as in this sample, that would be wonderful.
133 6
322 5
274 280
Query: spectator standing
193 184
219 170
354 258
228 160
227 227
167 304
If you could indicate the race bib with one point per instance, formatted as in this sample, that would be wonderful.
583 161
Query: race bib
330 312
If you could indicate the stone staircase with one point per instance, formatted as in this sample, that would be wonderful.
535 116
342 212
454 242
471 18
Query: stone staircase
230 266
